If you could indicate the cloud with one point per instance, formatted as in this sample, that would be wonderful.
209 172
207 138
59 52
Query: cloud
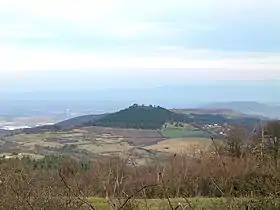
114 17
174 63
208 39
23 31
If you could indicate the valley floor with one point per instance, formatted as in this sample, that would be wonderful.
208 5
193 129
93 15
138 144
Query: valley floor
92 142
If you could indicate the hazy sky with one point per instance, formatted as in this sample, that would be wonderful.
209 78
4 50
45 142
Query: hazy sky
117 43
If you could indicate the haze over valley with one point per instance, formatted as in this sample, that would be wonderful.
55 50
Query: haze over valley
51 104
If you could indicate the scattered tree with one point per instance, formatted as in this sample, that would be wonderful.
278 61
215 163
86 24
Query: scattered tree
236 142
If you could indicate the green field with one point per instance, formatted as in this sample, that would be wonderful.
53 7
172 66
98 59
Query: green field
187 131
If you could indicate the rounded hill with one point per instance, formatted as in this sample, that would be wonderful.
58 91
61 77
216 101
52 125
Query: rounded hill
140 117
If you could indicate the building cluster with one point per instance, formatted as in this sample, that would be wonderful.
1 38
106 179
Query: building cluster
216 128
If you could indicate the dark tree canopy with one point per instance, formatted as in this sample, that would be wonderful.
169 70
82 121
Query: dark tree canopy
140 117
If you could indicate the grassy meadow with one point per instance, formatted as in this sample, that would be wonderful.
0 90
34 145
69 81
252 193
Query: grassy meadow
183 131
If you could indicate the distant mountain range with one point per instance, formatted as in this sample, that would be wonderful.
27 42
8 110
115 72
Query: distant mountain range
155 117
250 108
149 118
